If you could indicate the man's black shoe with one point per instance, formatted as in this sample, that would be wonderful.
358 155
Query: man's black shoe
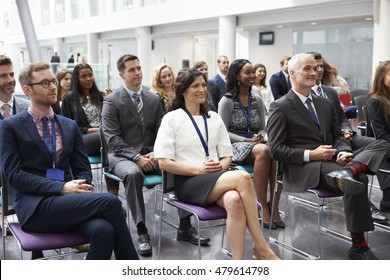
366 255
7 231
384 206
143 246
377 216
345 182
36 255
190 235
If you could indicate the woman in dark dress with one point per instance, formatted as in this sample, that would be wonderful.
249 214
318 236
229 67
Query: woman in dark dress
201 166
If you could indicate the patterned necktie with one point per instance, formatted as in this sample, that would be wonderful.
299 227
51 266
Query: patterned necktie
46 135
320 92
6 110
139 105
312 113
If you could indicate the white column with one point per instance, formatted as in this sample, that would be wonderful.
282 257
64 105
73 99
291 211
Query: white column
28 30
381 44
92 48
57 44
144 43
227 37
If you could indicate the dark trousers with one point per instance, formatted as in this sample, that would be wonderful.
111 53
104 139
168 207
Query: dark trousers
98 216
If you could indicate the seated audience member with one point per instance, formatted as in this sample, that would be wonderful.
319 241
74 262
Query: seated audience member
260 86
243 114
212 88
163 84
193 144
280 82
379 115
220 78
64 77
131 118
304 135
43 158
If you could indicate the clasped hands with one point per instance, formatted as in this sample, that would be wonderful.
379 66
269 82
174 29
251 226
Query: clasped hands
148 162
209 166
325 153
256 138
76 186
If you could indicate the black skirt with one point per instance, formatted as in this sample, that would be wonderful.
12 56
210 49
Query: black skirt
195 189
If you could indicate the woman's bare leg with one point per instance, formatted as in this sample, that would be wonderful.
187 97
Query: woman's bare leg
240 181
235 223
260 158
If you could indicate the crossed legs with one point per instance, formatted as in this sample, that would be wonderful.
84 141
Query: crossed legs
234 192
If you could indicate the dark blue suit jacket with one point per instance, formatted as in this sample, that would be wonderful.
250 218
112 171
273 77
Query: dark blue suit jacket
279 85
24 160
220 83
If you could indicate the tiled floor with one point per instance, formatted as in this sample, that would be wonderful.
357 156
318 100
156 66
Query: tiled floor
301 232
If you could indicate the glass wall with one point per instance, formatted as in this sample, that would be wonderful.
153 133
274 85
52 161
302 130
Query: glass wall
349 47
60 11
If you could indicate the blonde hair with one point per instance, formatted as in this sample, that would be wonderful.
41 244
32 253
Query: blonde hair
158 88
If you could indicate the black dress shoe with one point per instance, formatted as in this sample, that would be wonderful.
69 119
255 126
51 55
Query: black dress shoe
377 216
36 255
345 182
267 225
280 224
384 206
190 235
143 246
366 255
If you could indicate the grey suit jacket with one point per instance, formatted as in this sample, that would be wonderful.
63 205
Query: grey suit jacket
291 131
122 127
20 104
333 95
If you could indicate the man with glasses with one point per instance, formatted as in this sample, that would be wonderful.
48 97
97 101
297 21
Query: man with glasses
43 158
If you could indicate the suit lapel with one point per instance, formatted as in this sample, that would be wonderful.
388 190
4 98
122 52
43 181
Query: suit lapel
32 130
302 110
67 138
130 105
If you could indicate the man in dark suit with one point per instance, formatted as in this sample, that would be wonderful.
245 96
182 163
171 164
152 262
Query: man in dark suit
304 136
220 78
212 89
280 82
357 141
131 117
44 159
9 104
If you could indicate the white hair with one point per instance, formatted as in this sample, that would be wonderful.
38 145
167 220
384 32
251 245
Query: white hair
293 62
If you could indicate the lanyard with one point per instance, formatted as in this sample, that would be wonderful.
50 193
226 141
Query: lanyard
247 113
204 143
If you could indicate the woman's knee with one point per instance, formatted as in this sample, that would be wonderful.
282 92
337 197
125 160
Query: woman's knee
261 151
233 202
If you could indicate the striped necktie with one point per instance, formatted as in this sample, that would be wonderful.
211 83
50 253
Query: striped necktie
6 110
139 105
312 113
321 92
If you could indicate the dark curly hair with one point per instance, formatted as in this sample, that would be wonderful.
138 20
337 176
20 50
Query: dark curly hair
185 78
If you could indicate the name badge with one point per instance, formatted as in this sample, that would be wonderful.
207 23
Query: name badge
55 174
249 134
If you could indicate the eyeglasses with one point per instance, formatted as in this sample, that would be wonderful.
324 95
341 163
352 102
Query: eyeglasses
46 83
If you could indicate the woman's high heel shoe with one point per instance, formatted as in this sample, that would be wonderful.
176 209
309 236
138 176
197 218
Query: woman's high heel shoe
279 224
271 225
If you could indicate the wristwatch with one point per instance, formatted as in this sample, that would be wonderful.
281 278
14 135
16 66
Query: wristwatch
136 158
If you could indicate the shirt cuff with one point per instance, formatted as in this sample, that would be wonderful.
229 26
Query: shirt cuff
306 156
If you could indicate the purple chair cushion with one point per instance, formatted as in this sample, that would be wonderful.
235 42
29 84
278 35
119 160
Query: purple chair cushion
212 212
30 241
326 193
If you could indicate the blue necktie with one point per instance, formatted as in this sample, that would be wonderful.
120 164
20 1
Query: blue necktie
312 113
320 92
46 135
